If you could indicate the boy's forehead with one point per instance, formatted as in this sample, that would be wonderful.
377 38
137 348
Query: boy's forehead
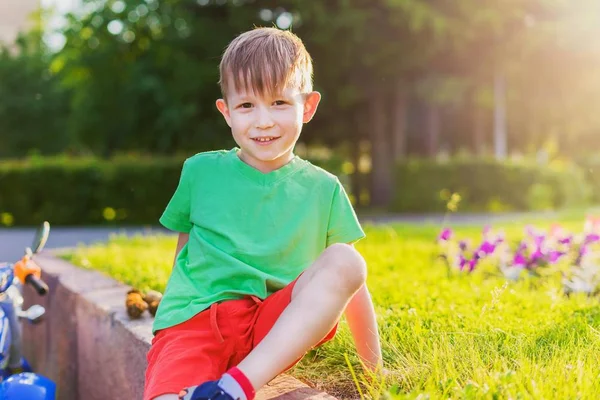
251 92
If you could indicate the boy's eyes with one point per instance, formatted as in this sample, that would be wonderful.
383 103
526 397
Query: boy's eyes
276 102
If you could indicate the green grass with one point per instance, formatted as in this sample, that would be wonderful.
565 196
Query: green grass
464 337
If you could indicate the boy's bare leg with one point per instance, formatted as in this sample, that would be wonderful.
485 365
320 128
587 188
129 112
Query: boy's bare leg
318 300
167 397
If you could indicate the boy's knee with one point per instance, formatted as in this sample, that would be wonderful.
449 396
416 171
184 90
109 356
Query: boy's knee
348 266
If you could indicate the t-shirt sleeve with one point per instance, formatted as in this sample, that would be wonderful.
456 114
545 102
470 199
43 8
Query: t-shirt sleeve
343 223
176 216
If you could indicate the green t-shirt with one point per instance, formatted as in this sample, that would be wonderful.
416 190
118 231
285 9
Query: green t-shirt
250 233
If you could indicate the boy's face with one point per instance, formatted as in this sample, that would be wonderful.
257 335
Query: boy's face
266 128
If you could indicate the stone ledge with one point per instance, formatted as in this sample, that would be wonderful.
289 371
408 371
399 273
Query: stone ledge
89 346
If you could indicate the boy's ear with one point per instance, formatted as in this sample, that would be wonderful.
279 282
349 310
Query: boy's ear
311 102
223 109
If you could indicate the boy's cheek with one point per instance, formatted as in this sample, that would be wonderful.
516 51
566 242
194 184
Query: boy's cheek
234 122
237 129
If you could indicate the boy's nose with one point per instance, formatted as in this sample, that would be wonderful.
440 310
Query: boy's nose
263 119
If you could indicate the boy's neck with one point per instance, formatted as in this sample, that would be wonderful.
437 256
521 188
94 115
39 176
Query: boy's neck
265 166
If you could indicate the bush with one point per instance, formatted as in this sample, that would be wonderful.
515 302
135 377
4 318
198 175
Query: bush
77 192
591 169
487 185
89 191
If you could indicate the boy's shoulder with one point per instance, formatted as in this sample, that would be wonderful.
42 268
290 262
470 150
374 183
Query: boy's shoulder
317 173
318 179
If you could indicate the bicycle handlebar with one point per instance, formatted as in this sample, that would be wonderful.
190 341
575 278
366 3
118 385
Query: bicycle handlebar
37 283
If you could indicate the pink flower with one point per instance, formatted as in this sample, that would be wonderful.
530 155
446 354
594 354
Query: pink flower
445 235
592 224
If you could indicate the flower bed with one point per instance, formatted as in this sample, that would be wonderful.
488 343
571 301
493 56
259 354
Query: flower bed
575 255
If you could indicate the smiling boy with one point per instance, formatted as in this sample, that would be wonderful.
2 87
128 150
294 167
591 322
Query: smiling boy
264 264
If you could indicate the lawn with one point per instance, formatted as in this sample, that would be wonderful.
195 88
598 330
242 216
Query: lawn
467 336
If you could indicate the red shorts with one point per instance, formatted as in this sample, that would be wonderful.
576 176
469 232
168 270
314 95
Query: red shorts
211 342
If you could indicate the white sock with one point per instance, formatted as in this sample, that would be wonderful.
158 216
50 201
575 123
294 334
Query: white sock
232 387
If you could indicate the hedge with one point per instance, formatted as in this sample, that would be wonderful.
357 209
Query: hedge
487 185
135 191
90 191
86 191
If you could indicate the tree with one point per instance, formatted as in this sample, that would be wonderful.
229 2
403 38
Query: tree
367 53
144 74
33 105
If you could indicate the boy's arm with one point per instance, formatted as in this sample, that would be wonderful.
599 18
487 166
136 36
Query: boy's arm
181 241
360 315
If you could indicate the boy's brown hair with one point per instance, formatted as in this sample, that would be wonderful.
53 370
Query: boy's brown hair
265 61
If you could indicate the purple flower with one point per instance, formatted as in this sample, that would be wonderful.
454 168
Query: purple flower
486 248
519 260
583 251
566 240
462 262
554 256
445 235
472 264
536 258
539 240
463 245
591 238
537 255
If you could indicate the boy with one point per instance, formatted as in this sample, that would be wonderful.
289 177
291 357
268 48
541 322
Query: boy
264 263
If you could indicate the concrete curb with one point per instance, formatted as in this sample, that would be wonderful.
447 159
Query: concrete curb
89 346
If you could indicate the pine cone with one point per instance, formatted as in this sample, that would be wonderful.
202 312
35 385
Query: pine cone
152 307
135 304
152 295
153 298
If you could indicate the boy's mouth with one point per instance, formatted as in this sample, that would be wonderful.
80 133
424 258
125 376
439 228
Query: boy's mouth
265 139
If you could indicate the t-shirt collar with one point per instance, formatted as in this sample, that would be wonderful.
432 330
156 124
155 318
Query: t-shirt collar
261 177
